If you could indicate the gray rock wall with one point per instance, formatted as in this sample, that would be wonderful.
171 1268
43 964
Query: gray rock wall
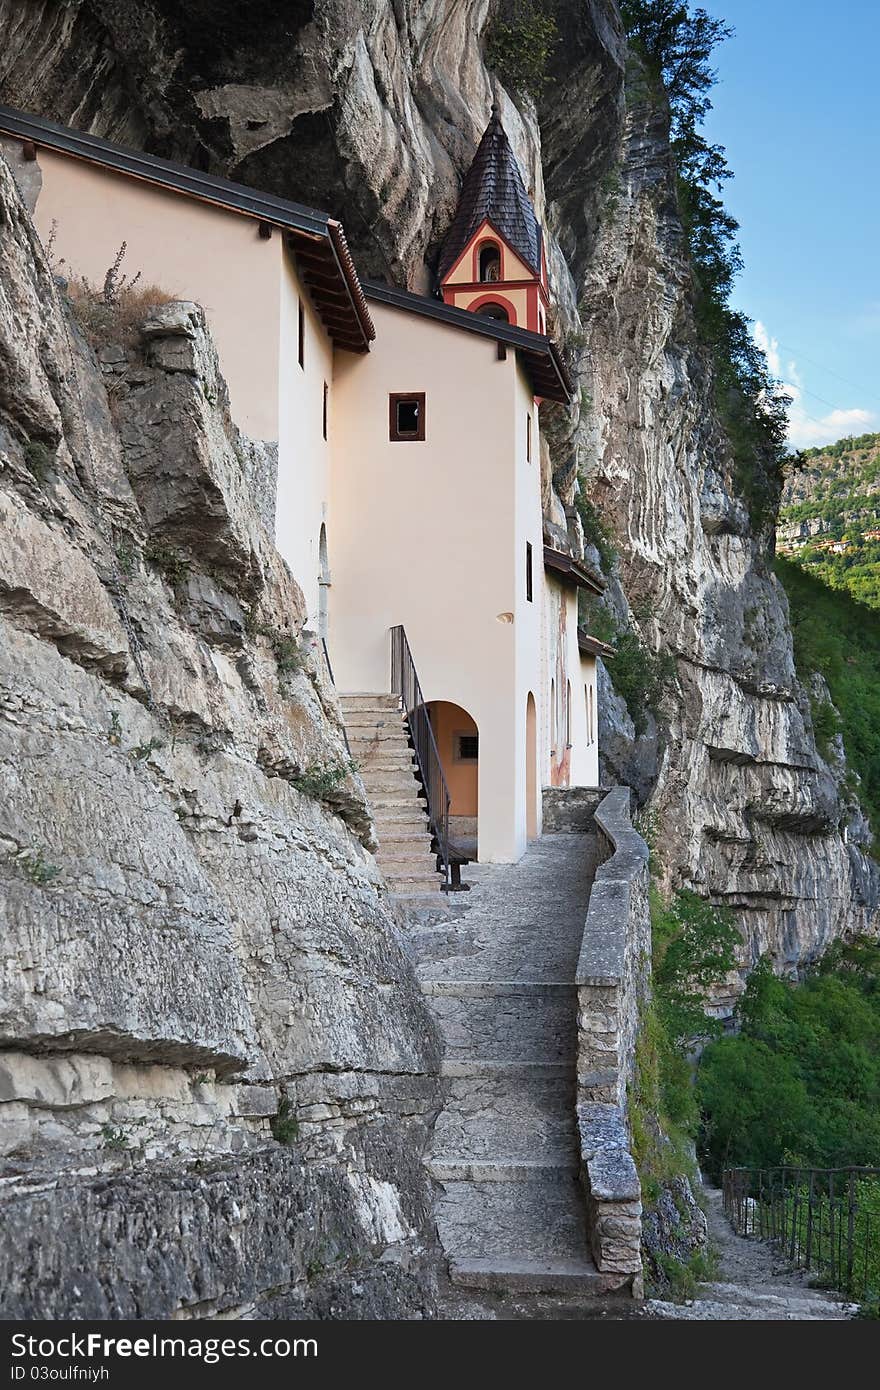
207 1019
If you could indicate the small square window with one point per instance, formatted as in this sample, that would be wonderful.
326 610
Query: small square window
467 748
406 415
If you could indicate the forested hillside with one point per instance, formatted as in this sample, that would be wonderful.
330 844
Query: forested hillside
830 515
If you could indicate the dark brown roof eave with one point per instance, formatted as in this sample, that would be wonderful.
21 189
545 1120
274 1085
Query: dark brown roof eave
539 355
352 327
572 570
593 645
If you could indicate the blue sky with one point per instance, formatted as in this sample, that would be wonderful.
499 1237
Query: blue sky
797 108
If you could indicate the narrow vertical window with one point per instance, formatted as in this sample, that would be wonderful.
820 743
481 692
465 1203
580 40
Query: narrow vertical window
529 437
324 412
301 330
528 572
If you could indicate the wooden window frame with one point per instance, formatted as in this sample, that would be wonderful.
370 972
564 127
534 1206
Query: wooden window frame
394 400
324 409
301 334
528 436
530 581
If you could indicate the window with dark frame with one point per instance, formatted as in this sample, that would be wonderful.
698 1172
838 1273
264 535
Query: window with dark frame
324 414
529 437
406 416
528 571
301 330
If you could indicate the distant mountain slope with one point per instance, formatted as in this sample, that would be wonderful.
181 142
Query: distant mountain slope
829 519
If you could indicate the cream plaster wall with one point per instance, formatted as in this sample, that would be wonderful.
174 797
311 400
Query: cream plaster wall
432 535
189 249
575 765
303 453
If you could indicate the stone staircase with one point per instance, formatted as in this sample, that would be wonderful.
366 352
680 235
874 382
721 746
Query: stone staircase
380 745
500 983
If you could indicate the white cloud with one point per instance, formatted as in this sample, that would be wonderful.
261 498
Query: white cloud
806 429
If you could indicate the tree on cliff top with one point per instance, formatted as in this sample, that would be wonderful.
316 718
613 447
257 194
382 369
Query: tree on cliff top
675 46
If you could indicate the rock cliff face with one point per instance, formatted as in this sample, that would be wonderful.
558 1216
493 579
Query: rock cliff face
373 111
207 1021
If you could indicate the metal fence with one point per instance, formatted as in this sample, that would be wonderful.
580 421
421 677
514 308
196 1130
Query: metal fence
826 1220
405 683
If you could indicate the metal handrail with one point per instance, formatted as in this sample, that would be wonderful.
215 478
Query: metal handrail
405 683
821 1219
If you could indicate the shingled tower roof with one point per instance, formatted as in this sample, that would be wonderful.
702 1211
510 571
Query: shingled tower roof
494 190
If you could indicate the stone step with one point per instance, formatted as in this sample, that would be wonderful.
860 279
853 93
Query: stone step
541 1220
393 761
415 887
403 865
360 700
491 989
380 781
512 1275
392 802
537 1027
394 838
507 1117
364 724
499 1170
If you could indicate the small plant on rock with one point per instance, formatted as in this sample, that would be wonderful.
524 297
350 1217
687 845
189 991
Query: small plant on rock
174 566
35 867
320 780
39 459
113 1138
114 310
284 1124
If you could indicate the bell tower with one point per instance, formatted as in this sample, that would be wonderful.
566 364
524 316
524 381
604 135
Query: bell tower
493 260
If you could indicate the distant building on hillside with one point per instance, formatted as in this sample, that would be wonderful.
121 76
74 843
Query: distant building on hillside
408 500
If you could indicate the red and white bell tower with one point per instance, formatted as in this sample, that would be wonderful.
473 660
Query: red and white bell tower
493 260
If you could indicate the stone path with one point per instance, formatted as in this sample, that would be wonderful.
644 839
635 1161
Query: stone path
499 976
755 1284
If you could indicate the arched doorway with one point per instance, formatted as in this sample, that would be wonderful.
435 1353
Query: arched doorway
323 585
458 743
531 768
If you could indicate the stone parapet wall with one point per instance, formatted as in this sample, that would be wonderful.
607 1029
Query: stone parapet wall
612 980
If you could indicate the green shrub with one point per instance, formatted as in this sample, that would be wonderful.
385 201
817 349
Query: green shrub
174 566
595 531
284 1124
640 676
840 638
320 780
518 46
801 1080
39 459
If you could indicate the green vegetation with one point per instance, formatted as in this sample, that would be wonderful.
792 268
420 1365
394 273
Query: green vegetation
800 1083
35 867
320 780
693 947
596 532
174 566
839 486
39 459
519 43
840 638
641 677
284 1124
675 44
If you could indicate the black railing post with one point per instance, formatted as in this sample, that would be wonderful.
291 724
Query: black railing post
405 684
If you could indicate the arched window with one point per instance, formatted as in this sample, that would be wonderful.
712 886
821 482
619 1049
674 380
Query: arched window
489 263
568 714
323 584
494 311
552 716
